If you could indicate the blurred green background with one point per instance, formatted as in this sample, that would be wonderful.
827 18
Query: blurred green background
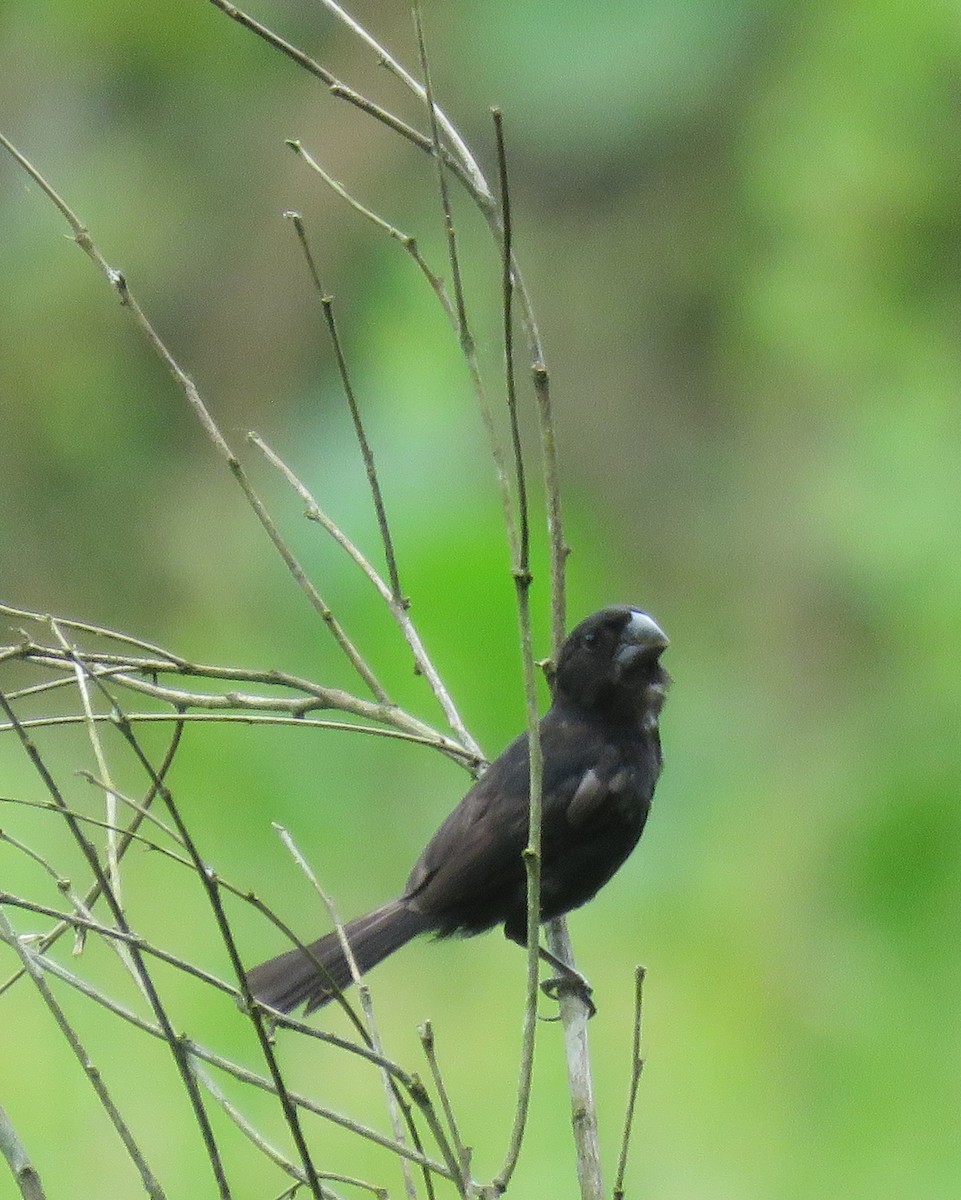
741 224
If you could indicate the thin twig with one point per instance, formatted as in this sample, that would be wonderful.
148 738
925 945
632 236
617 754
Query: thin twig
314 696
373 1034
65 887
244 1074
522 573
366 452
465 168
127 836
86 819
141 813
637 1066
472 179
25 614
93 735
387 60
406 240
484 199
83 920
295 853
469 351
29 961
370 1030
252 1133
398 610
557 547
132 940
463 1152
60 881
468 761
364 1052
23 1170
522 582
209 425
212 890
93 862
55 685
460 303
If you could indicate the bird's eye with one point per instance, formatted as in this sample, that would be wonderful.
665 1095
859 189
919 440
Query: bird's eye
590 637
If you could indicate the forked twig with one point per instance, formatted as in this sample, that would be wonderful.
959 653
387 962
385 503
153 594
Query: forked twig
243 1074
398 610
406 240
341 91
139 674
386 59
211 887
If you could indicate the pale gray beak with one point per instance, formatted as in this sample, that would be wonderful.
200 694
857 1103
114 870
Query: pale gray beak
641 633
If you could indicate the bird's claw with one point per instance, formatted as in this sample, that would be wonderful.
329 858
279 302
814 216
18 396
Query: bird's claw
563 985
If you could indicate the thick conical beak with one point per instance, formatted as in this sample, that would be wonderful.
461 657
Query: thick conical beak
641 637
642 630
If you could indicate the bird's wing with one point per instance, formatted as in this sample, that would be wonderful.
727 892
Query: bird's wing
486 830
605 778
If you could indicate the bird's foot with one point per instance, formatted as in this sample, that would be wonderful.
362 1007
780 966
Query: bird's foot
570 984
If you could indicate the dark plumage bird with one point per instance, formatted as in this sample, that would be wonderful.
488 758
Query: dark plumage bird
602 757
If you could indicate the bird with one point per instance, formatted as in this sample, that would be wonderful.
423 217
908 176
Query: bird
601 754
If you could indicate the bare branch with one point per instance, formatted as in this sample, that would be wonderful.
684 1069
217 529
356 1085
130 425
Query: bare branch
128 671
637 1066
243 1074
575 1015
127 836
463 328
207 422
372 1036
113 861
463 1153
460 147
23 1170
90 854
398 609
406 240
29 961
367 454
522 583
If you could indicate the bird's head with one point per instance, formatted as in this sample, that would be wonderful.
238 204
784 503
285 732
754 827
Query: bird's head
611 660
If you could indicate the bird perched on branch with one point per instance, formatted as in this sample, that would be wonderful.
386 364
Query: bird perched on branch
601 759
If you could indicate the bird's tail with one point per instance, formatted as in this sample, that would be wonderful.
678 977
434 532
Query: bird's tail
289 980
